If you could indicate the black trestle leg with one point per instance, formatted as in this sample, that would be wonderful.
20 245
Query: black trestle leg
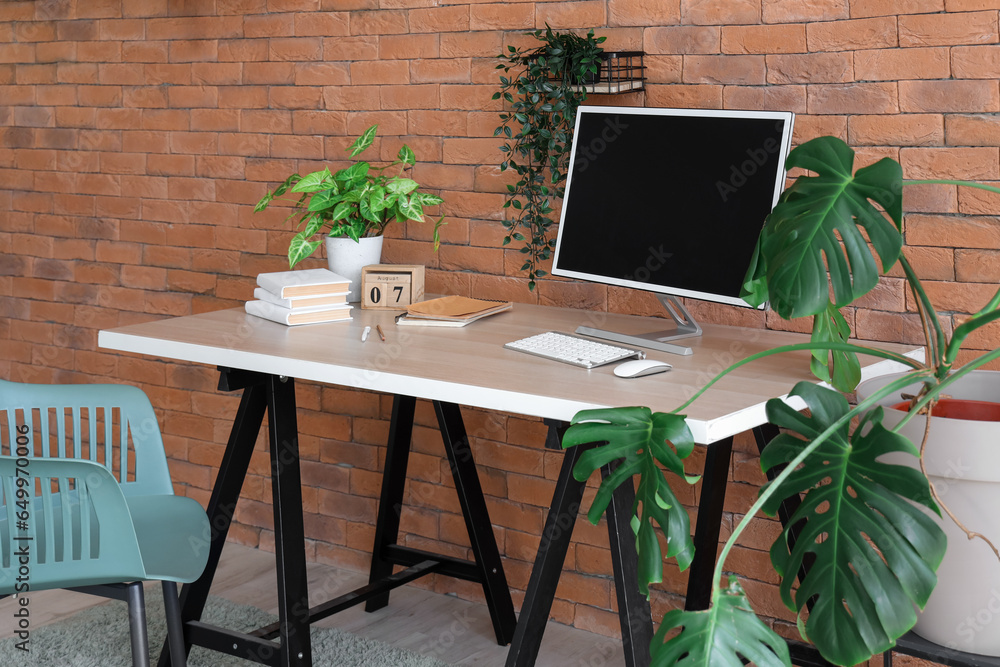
390 504
633 608
225 493
708 524
477 520
289 529
549 561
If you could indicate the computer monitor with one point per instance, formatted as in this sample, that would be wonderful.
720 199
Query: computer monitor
670 201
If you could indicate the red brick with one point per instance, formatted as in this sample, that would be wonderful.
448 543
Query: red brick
480 44
975 201
194 51
720 12
810 68
962 163
453 18
269 73
948 29
764 39
322 74
406 47
243 97
895 64
216 74
865 8
413 96
322 24
853 98
202 27
736 70
976 62
960 231
296 49
351 98
792 11
683 40
382 22
380 72
902 130
874 33
440 70
567 15
957 297
502 16
363 47
949 96
778 98
242 50
643 13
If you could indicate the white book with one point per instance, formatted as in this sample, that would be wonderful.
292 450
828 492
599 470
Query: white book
421 322
308 282
302 302
289 317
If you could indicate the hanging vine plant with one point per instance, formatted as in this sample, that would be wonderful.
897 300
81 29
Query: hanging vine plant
538 128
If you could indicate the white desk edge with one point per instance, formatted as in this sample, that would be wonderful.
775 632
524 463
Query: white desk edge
373 379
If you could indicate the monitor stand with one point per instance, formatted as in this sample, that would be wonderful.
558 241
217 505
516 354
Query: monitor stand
686 327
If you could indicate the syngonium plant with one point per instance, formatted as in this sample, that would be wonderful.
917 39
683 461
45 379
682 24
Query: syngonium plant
872 551
357 201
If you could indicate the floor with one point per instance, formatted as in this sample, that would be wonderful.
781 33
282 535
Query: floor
447 628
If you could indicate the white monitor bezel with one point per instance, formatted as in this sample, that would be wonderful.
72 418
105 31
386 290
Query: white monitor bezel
786 144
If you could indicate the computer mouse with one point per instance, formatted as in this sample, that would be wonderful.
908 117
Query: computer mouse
641 367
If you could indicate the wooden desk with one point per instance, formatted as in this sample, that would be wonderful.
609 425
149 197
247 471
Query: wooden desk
467 366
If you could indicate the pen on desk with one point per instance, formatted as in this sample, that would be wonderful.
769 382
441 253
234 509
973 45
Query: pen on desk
381 335
364 334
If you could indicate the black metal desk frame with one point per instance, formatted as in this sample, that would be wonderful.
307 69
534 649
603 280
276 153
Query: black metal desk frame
276 396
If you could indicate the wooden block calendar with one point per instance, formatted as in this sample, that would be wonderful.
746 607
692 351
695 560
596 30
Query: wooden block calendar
391 286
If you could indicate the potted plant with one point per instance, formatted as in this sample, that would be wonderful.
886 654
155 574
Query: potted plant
543 99
351 208
866 530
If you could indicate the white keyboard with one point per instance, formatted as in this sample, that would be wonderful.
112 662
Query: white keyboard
573 349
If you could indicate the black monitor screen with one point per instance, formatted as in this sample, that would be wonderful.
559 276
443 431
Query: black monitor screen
670 200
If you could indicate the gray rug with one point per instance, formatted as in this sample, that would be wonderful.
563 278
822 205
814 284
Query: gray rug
98 637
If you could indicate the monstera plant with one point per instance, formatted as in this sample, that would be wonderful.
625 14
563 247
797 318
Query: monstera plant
871 551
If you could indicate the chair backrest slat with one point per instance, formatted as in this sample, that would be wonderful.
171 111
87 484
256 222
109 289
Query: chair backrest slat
47 548
83 496
8 499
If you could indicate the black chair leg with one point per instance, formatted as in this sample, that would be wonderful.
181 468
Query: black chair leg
175 626
137 624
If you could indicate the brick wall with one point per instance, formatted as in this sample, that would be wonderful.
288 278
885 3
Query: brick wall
135 136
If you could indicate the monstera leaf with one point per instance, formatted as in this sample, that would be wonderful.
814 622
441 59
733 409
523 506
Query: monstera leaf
873 551
814 231
639 439
720 636
839 368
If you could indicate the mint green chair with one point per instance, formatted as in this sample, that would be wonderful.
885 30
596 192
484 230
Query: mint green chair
88 504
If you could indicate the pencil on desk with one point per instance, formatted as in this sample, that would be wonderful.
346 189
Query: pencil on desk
381 335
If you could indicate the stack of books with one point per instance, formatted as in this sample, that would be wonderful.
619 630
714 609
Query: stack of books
301 297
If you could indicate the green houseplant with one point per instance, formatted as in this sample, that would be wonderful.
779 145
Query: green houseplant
543 98
355 202
873 552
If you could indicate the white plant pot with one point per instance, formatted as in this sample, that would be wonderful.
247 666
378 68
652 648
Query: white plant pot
347 257
962 459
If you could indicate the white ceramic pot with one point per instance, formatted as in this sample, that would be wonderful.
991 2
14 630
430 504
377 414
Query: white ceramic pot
347 257
962 459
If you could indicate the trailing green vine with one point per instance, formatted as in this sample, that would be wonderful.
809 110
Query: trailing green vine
538 128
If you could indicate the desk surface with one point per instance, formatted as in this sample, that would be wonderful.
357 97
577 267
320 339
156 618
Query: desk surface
469 366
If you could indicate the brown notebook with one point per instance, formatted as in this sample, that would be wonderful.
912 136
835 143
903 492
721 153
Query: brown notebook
456 309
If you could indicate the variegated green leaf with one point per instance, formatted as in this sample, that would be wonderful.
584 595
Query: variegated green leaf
363 142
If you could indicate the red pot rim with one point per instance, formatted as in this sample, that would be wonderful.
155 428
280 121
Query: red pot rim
960 408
